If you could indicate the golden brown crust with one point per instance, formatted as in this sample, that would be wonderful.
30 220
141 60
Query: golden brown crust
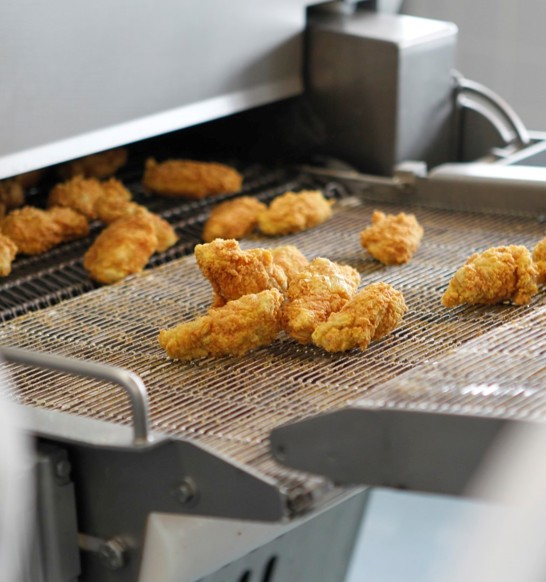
498 274
290 259
234 329
36 231
295 212
188 178
8 250
539 258
370 315
121 249
233 219
79 193
392 239
233 272
322 288
100 165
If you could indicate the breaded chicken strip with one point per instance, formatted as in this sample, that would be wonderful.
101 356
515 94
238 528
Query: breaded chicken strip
121 249
11 194
111 209
369 315
498 274
79 193
291 259
234 329
36 231
322 288
101 165
295 212
233 219
8 250
539 258
392 239
233 272
191 179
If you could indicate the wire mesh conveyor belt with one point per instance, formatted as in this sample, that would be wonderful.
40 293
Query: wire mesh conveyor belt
232 404
44 280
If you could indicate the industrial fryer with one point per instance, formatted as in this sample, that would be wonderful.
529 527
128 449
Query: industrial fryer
241 468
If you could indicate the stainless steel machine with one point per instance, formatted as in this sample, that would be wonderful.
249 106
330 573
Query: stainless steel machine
148 469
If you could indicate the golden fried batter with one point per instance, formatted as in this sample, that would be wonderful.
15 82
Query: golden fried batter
392 239
72 224
8 250
101 165
121 249
498 274
35 231
539 258
79 193
234 329
191 179
291 259
369 315
322 288
294 212
233 219
233 272
11 194
111 209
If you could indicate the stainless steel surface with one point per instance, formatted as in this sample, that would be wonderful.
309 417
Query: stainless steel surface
382 85
230 405
82 78
131 383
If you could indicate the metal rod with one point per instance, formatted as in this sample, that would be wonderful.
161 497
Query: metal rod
369 179
130 382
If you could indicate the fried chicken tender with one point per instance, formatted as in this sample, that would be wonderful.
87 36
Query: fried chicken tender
295 212
233 219
370 315
111 209
187 178
79 193
324 287
233 272
539 258
11 194
291 259
100 165
392 239
498 274
234 329
36 231
8 250
121 249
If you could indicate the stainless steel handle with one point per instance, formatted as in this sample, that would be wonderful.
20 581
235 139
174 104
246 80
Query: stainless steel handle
131 383
500 107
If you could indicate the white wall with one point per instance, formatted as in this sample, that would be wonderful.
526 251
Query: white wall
502 44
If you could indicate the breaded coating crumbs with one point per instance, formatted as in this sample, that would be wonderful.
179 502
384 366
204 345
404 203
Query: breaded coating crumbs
233 272
322 288
8 250
370 315
539 258
233 219
36 231
79 193
290 259
392 239
188 178
234 329
121 249
294 212
498 274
